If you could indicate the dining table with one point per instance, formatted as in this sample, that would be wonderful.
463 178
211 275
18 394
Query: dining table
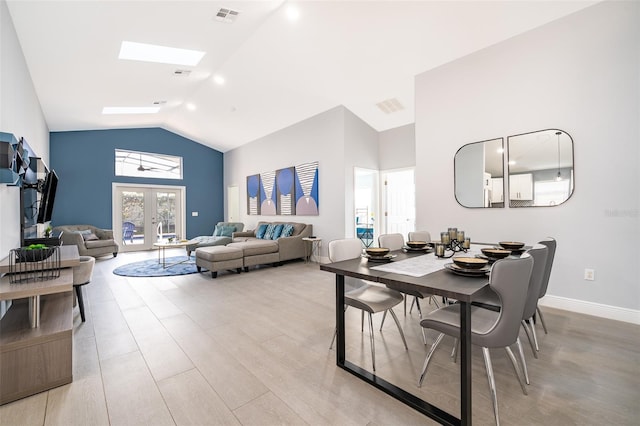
410 271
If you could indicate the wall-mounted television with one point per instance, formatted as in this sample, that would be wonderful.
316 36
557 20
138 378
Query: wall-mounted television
48 196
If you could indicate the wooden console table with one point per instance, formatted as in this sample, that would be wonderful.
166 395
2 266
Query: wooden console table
37 355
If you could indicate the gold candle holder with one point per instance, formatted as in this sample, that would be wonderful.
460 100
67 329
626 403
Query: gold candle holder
453 233
440 248
467 243
460 236
445 238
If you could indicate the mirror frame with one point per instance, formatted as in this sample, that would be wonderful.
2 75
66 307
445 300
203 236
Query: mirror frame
455 179
509 172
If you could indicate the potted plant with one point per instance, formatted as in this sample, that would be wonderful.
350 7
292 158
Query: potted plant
47 231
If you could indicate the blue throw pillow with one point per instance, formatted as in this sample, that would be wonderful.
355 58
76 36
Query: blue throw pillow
268 234
217 231
227 230
287 230
277 231
261 230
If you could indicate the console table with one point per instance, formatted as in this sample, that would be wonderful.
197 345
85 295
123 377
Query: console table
36 353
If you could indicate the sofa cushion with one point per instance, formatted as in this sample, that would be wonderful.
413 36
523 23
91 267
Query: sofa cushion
90 236
277 231
219 253
256 247
268 234
261 230
99 243
287 230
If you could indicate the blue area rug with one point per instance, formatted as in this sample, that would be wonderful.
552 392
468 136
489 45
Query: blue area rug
151 268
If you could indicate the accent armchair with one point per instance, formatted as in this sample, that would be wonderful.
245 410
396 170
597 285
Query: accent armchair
91 241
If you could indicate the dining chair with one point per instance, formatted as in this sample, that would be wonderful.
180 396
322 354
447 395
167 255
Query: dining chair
509 278
128 229
361 295
82 275
551 245
419 236
396 242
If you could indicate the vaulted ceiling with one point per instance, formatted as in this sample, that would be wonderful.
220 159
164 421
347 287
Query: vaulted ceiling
277 70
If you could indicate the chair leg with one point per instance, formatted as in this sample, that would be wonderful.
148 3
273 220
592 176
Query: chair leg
492 383
526 330
373 345
454 351
516 368
395 318
335 333
417 302
435 301
80 301
413 302
533 332
362 321
428 359
404 297
544 326
522 360
384 316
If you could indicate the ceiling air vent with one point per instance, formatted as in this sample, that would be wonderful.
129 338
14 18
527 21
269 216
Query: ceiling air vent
159 102
390 106
227 15
182 73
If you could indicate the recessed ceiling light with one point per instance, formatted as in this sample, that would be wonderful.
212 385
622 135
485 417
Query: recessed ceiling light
218 79
190 106
130 110
293 13
512 162
161 54
500 150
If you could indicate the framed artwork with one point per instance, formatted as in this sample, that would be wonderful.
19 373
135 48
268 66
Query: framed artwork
267 193
306 181
285 192
253 195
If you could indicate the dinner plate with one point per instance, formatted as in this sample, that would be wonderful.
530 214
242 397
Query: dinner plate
425 249
467 272
379 259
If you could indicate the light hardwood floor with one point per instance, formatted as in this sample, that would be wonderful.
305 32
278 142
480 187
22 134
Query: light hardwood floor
252 349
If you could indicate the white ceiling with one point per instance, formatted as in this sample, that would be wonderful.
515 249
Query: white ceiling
277 71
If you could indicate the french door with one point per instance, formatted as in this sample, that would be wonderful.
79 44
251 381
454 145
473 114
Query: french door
145 214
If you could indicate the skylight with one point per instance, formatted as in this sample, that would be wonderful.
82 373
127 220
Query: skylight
161 54
130 110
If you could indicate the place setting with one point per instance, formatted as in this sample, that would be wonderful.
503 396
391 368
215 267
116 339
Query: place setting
469 266
417 247
378 254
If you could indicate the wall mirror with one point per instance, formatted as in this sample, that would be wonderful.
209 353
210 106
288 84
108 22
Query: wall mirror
479 174
540 168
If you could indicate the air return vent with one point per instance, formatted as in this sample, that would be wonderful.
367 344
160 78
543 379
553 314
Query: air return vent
182 73
227 15
390 106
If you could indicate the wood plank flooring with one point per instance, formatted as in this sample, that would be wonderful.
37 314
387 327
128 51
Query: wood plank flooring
253 349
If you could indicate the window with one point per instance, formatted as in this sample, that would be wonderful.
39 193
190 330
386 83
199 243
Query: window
148 165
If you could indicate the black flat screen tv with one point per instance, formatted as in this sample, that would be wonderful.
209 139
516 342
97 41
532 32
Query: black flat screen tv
48 197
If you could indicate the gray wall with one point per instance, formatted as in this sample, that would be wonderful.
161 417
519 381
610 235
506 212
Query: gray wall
398 147
20 114
581 74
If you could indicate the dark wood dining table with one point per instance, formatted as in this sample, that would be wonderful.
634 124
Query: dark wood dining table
441 283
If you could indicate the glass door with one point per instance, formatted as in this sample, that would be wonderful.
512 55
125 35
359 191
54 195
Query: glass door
144 215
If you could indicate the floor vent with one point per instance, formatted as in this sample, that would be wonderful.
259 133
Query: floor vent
390 106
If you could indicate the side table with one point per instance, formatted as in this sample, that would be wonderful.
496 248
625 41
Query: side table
311 246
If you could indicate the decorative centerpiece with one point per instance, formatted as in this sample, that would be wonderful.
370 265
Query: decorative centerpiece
33 253
36 262
454 241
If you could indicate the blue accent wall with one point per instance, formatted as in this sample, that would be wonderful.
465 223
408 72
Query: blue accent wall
85 164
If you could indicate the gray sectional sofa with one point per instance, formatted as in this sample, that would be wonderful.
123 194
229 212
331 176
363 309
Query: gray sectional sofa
267 250
221 236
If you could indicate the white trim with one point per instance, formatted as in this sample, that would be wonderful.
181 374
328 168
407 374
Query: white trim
591 308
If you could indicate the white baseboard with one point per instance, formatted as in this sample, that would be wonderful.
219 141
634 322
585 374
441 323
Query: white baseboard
591 308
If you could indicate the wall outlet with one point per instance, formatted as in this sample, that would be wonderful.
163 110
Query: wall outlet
589 274
194 213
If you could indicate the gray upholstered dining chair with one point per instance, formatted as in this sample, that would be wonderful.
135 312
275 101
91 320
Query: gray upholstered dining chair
361 295
396 242
509 278
82 275
419 236
551 245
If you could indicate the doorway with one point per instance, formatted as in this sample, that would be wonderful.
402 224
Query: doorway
399 200
366 205
146 214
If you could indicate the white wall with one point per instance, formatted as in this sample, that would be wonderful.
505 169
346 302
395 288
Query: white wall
580 74
20 114
398 147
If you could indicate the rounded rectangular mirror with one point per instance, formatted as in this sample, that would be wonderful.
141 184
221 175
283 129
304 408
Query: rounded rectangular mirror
479 174
540 168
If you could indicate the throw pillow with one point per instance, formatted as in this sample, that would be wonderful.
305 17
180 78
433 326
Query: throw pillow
261 230
84 232
227 230
90 237
217 231
268 234
287 230
277 232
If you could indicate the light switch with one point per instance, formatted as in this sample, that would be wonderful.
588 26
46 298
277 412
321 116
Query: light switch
194 213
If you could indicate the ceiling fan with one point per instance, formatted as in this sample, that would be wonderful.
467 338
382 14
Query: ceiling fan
141 168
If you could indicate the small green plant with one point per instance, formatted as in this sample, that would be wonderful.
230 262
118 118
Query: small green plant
47 231
36 247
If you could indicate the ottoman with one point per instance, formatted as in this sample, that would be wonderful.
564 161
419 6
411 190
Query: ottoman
258 252
218 258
